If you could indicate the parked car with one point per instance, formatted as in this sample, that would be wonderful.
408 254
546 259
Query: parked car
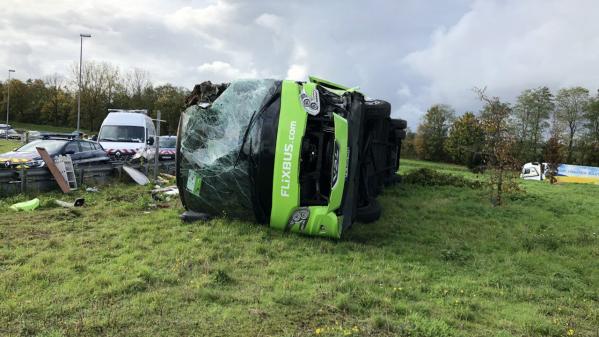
168 146
34 135
307 157
126 132
7 128
81 152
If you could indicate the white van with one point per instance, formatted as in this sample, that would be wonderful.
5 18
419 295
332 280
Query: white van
534 171
124 133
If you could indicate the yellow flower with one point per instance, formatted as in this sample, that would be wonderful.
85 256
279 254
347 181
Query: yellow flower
570 332
318 331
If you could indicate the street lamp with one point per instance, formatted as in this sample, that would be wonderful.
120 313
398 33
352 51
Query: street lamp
80 67
8 102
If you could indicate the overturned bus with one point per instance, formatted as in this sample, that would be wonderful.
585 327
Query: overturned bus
308 157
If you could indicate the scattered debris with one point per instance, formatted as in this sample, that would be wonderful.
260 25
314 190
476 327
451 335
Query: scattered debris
162 180
27 206
60 180
78 203
137 176
165 193
205 92
167 176
65 167
92 189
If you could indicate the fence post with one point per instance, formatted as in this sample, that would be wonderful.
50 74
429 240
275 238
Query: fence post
157 145
23 179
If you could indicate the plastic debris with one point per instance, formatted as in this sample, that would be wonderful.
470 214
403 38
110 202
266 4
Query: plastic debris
26 205
137 176
165 193
78 203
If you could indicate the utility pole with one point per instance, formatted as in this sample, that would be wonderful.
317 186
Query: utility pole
8 102
80 68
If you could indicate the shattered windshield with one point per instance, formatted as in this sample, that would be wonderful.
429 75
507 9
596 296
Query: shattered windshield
212 168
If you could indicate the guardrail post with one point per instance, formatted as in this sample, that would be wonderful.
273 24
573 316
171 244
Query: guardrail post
81 174
23 179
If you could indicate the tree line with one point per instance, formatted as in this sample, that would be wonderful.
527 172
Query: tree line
539 125
53 100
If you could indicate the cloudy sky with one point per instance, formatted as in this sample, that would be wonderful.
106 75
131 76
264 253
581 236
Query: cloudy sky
413 53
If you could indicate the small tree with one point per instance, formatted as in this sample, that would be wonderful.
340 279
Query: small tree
571 104
499 146
553 157
465 140
432 132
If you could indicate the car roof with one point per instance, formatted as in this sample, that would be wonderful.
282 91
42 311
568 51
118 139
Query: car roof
125 118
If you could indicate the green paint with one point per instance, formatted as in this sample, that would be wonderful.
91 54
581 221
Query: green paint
327 83
323 220
292 125
341 141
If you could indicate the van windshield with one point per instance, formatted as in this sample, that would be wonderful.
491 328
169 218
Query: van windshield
121 133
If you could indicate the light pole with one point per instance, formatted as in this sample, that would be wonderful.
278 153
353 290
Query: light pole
8 102
80 67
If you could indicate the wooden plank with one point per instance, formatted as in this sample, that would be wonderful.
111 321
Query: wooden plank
63 184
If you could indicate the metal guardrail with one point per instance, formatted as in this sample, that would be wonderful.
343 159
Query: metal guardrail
39 180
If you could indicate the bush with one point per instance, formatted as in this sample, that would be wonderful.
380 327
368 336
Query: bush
429 177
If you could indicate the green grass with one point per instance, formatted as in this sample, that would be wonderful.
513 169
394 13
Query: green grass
43 127
9 145
440 262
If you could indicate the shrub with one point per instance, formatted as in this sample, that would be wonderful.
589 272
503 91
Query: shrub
429 177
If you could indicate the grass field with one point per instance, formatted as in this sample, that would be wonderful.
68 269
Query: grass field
440 262
9 145
43 127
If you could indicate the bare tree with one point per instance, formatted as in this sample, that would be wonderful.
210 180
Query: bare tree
498 146
137 81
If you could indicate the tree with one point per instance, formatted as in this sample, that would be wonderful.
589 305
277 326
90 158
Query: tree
58 102
553 157
592 120
170 101
98 84
137 83
498 146
465 140
531 115
570 107
408 149
432 132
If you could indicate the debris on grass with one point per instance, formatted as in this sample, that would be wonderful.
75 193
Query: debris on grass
27 206
78 203
165 193
137 176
